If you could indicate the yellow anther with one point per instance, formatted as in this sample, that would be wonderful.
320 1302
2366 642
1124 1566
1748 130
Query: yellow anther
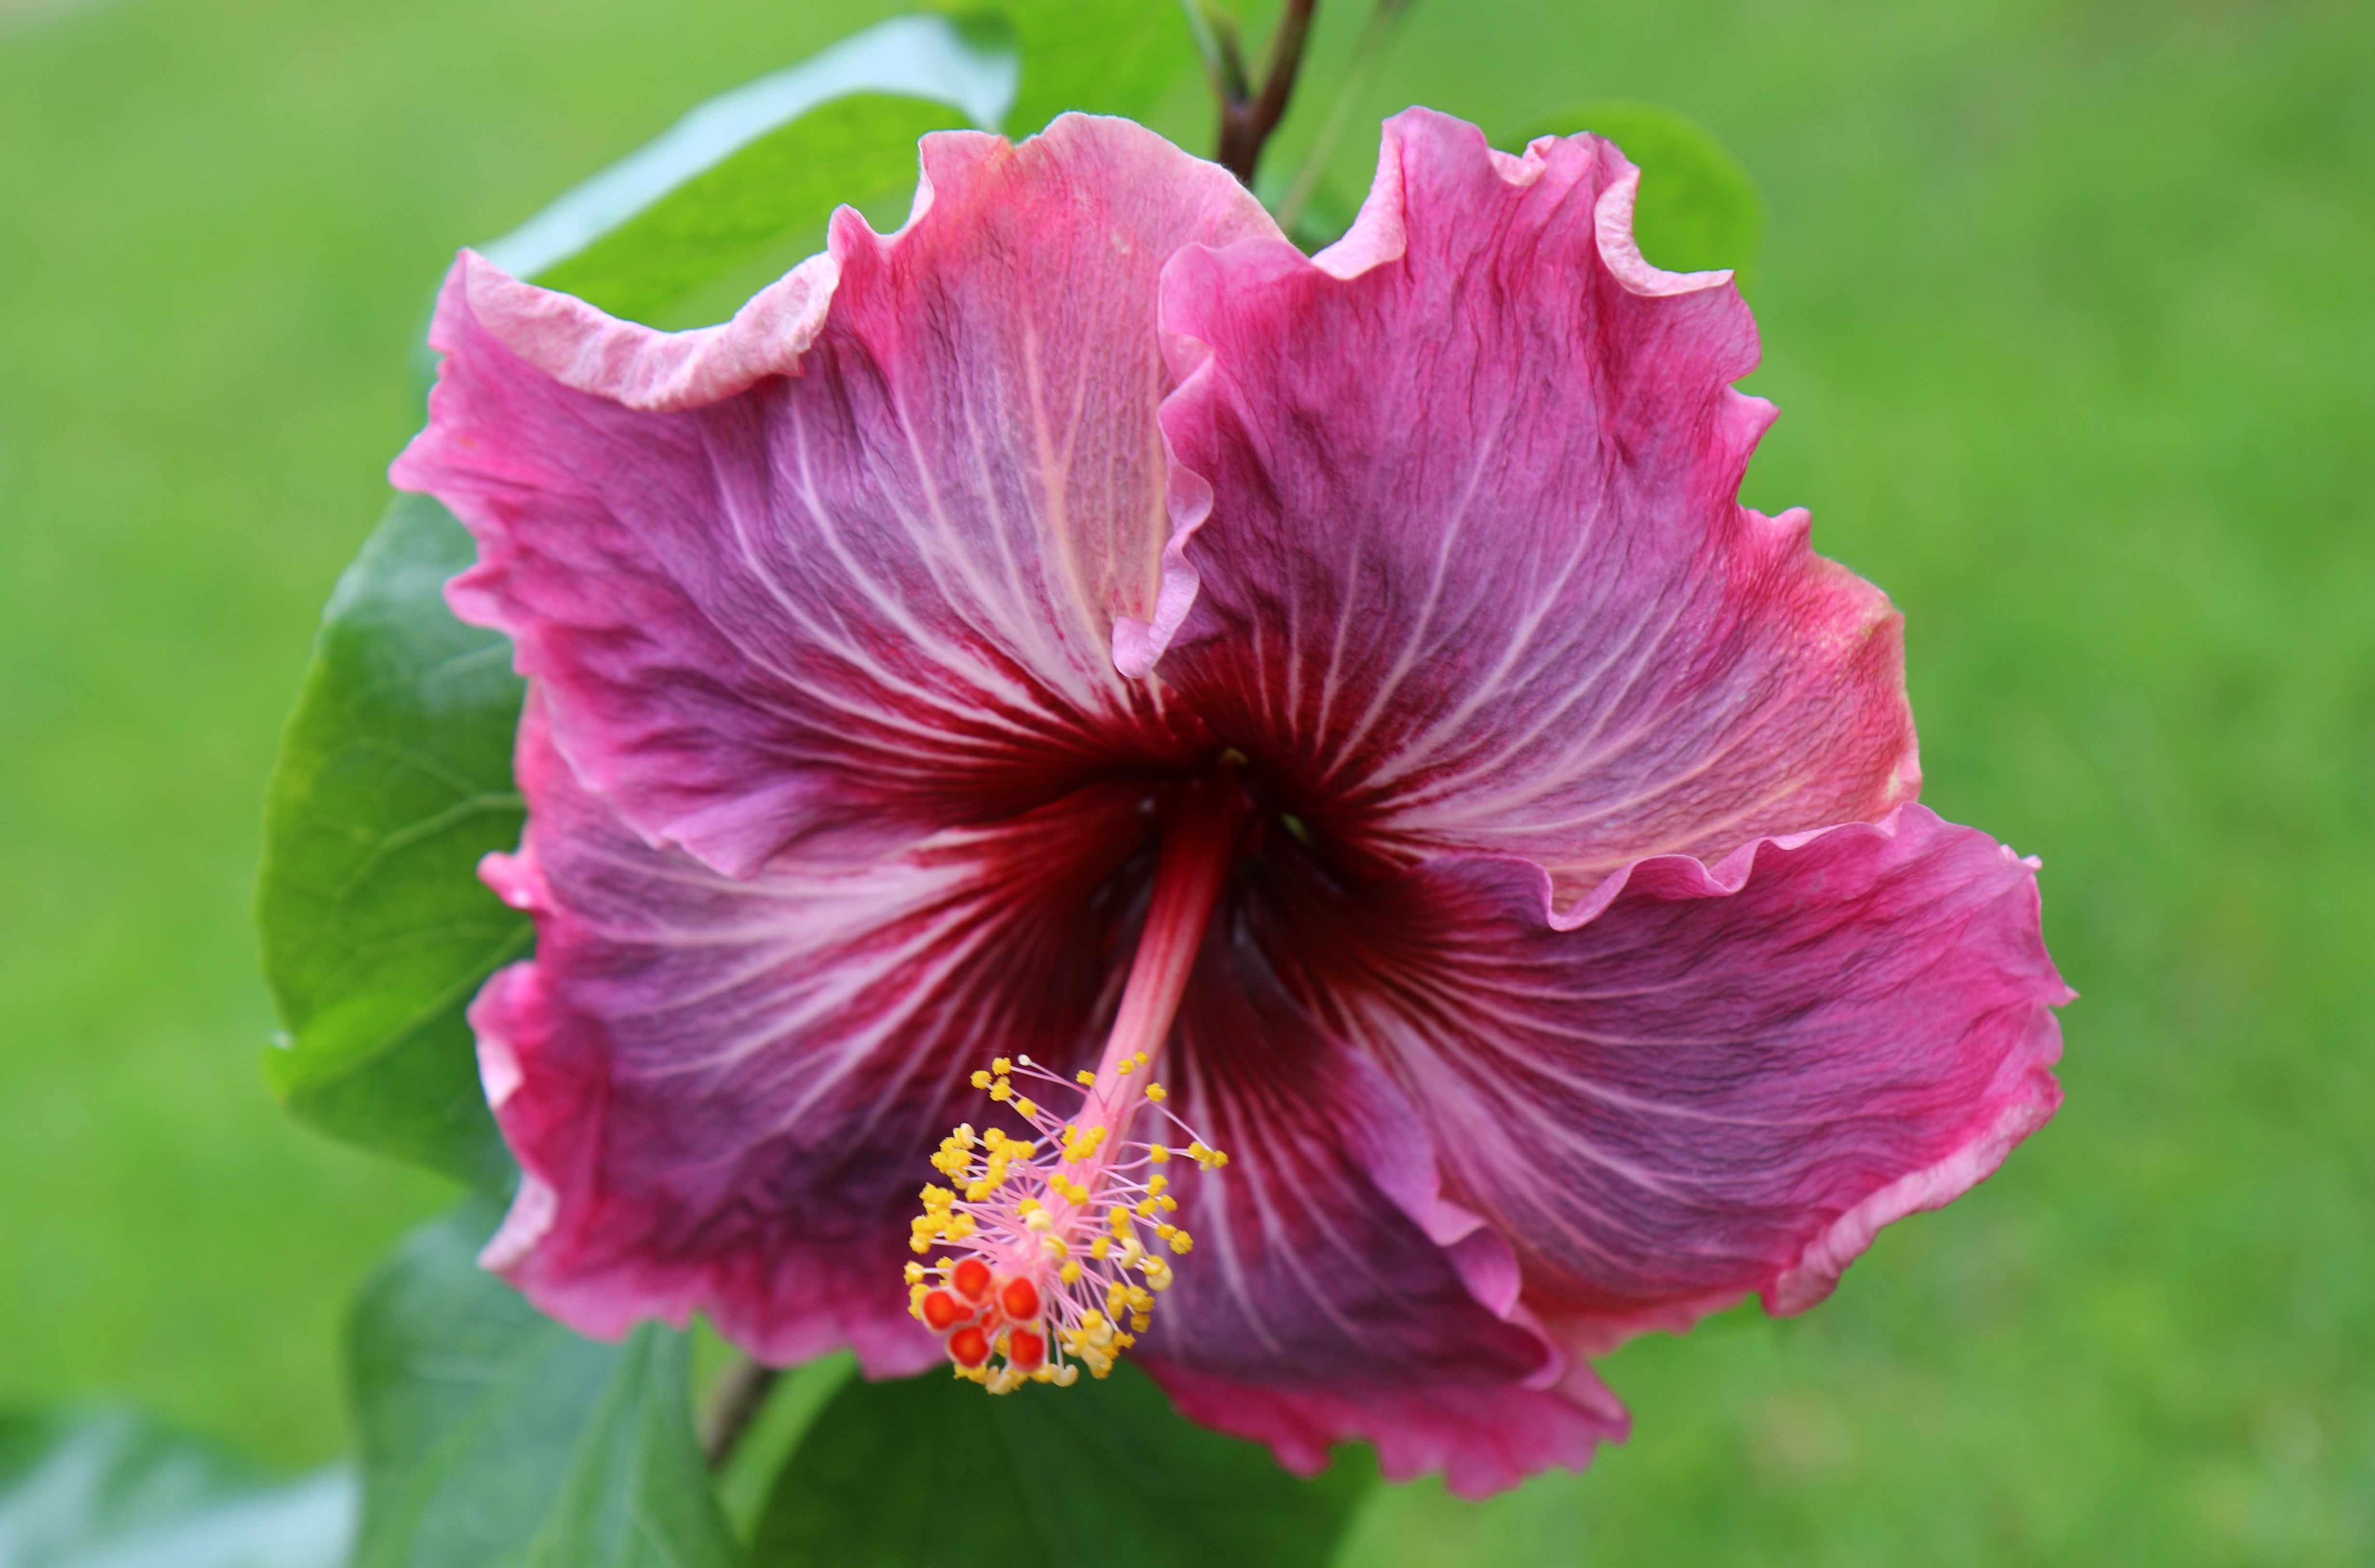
1027 1108
920 1243
1037 1220
1028 1204
1159 1154
1129 1063
916 1294
1118 1218
1001 1089
1154 1091
1139 1058
1157 1184
1098 1247
1069 1274
1001 1066
1166 1230
1146 1207
1167 1203
914 1272
1087 1078
1181 1240
1056 1247
980 1078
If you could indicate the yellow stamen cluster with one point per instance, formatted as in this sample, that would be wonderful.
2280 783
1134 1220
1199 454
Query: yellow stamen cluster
1068 1211
941 1217
1093 1342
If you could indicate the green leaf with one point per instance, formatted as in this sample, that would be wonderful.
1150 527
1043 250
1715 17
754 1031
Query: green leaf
1100 57
748 1473
395 776
492 1437
1698 208
107 1489
1043 1475
768 159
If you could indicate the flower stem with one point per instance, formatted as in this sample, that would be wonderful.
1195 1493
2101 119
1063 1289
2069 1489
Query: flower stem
1247 118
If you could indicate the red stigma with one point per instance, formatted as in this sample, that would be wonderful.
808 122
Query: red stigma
1021 1300
943 1311
1024 1350
971 1276
969 1347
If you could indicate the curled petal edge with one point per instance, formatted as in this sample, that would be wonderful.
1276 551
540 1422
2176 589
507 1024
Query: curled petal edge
1815 1272
1483 1440
589 351
1380 232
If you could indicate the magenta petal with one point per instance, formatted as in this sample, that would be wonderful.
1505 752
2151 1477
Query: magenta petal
721 1092
1474 577
1706 1081
849 568
1332 1295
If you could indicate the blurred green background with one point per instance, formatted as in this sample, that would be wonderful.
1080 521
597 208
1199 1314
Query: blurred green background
2070 309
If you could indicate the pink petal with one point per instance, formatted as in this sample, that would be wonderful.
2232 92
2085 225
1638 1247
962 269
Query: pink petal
1703 1081
722 1092
850 567
1480 1440
1474 577
1330 1295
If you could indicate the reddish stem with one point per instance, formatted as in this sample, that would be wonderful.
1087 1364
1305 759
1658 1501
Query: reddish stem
1248 121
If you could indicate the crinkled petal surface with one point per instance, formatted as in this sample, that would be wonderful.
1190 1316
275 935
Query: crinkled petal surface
847 568
1475 576
1703 1081
1332 1295
720 1092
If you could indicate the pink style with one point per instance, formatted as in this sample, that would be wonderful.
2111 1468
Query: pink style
1079 672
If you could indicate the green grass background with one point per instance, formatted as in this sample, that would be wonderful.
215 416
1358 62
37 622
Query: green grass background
2070 309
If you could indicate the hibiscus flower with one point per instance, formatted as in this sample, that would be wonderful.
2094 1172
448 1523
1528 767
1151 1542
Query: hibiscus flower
1307 754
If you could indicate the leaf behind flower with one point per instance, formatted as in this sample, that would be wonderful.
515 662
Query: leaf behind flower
929 1469
493 1437
770 157
394 778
